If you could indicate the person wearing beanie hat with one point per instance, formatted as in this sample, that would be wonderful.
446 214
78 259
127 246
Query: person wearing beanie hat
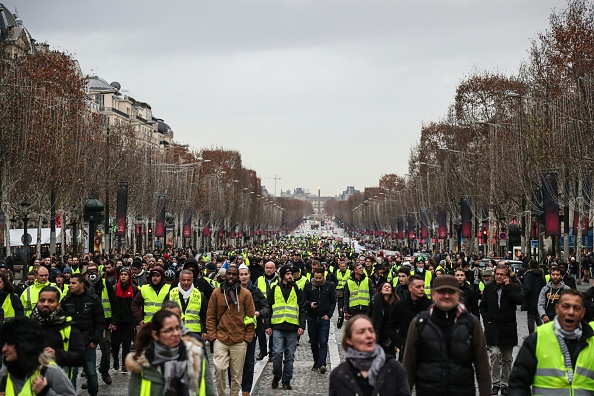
447 321
139 276
286 323
150 297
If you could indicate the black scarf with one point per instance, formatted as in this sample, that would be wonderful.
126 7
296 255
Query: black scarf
232 291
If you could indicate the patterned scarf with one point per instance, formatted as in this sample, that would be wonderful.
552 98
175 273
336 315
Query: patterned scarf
562 335
175 370
372 362
56 317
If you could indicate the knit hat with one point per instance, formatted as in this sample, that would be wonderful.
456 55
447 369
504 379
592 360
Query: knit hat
443 282
158 270
284 269
67 270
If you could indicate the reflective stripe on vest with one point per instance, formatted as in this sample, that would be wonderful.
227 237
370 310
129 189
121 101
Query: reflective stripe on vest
285 311
551 377
152 302
359 294
8 308
191 317
105 302
342 279
145 385
261 284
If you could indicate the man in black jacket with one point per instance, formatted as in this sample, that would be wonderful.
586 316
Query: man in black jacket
105 291
61 336
85 308
533 283
405 310
498 309
320 300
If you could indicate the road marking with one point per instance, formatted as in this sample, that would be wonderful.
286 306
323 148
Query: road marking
333 346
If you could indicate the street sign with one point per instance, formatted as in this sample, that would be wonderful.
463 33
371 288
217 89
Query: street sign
503 236
502 243
534 243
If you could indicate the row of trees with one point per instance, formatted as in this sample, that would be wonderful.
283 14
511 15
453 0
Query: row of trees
54 140
498 136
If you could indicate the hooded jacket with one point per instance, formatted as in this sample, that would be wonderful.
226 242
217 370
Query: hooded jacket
225 321
548 298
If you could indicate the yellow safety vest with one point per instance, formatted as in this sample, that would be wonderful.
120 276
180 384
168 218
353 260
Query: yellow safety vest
105 301
152 301
250 321
428 278
30 296
285 311
359 294
9 312
342 279
145 385
551 373
301 282
191 317
65 333
261 284
309 275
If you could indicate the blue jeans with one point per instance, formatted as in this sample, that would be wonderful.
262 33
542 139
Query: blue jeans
248 367
90 368
318 330
283 342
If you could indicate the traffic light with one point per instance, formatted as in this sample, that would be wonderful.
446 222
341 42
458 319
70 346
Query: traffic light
485 235
150 231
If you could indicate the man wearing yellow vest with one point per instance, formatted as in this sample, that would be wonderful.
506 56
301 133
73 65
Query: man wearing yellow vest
230 325
357 293
342 276
31 293
286 323
149 298
61 335
104 290
558 359
191 302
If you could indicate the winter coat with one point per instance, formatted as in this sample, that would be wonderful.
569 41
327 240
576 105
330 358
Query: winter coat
260 302
225 320
501 328
403 313
53 339
390 382
533 283
548 298
379 312
442 362
141 366
325 296
86 310
522 375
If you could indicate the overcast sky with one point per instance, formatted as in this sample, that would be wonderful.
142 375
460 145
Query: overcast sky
320 93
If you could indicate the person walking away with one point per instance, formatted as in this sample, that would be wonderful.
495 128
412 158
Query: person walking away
85 308
558 359
261 310
287 322
230 326
122 335
167 363
379 312
27 368
367 370
498 310
533 284
445 345
549 296
320 300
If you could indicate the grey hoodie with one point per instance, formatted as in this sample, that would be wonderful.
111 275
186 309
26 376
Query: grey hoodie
548 298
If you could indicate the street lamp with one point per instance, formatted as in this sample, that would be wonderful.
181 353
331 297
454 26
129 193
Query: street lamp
26 238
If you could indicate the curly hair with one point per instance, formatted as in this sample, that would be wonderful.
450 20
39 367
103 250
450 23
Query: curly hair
26 335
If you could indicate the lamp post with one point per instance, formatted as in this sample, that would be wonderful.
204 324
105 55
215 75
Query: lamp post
26 238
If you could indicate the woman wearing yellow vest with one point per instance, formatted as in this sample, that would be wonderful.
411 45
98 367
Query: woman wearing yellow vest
164 363
27 369
9 300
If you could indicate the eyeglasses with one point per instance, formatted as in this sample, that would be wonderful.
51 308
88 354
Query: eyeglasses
170 330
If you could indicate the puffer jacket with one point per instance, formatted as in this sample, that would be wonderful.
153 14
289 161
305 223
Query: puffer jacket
86 310
190 349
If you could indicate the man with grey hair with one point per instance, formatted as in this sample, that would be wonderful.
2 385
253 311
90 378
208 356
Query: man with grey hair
191 301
